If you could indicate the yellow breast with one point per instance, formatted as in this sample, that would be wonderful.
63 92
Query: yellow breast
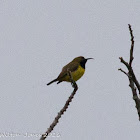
76 74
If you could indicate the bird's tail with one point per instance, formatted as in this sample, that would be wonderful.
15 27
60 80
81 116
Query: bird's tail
52 81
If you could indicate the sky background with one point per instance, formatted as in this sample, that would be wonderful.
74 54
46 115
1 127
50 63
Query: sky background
37 38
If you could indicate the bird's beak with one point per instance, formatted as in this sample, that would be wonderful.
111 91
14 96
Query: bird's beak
89 58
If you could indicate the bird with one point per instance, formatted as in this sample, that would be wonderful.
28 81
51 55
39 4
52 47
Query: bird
76 67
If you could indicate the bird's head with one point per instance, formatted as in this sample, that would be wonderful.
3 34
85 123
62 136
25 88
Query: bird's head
81 60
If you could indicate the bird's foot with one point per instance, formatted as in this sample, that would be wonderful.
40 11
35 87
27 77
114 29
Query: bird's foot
73 83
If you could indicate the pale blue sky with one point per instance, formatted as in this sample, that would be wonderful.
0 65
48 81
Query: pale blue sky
37 38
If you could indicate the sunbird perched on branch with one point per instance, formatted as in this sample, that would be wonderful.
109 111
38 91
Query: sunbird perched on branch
76 67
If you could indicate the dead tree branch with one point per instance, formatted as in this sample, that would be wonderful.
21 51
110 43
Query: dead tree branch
61 112
133 82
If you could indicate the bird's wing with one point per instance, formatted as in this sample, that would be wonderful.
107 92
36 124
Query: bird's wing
71 67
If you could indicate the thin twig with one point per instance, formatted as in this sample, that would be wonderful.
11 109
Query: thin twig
132 45
61 112
124 62
124 72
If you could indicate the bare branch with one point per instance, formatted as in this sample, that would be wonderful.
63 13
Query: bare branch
129 65
135 96
61 112
131 75
134 78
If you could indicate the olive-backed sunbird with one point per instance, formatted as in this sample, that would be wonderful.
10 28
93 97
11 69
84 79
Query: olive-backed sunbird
76 67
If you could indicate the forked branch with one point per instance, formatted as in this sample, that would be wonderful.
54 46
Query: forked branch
133 82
